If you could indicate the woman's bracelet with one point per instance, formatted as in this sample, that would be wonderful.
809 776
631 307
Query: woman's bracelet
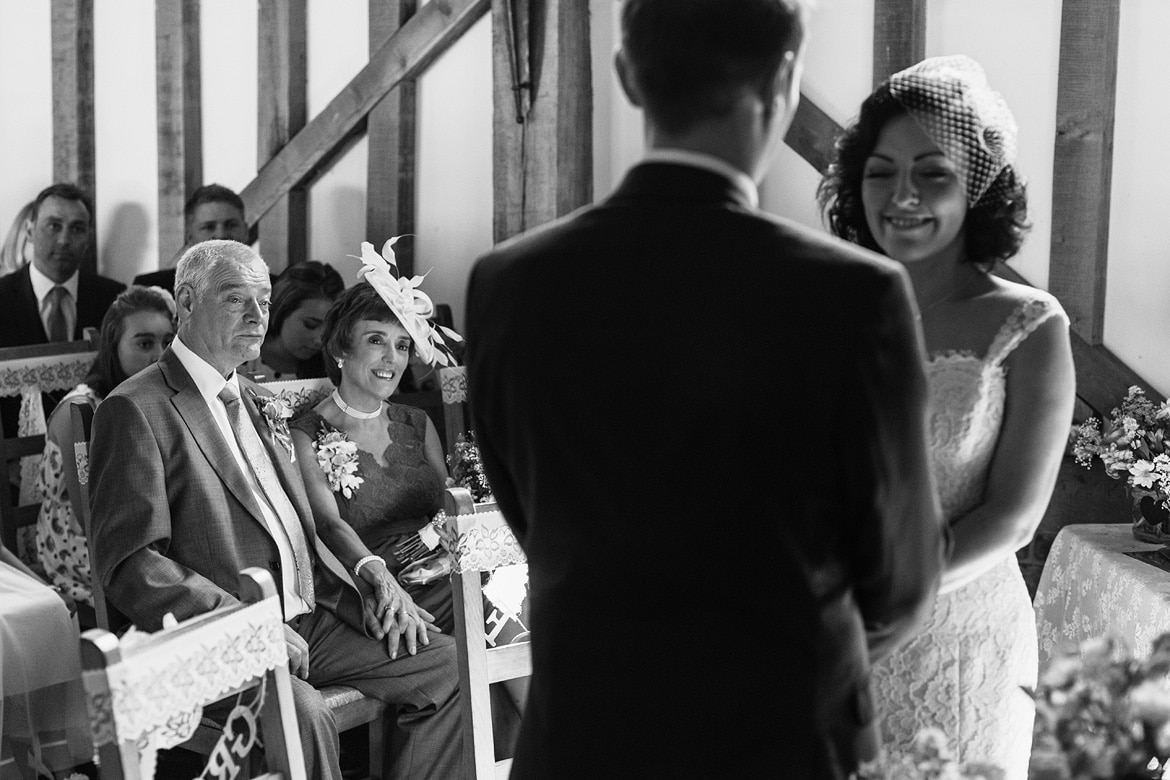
357 567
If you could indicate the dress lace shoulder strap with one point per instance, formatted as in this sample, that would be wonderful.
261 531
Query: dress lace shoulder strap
1024 319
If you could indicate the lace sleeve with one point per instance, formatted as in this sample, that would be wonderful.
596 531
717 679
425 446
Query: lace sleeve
1021 322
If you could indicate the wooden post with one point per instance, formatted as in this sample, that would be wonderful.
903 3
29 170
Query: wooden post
391 133
180 131
73 123
283 93
543 164
1083 162
429 33
899 36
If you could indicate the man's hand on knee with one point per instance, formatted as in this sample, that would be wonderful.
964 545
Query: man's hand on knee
298 653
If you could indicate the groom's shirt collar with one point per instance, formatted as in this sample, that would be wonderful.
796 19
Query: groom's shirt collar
708 162
209 381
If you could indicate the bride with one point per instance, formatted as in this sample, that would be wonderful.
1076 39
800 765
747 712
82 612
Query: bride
925 176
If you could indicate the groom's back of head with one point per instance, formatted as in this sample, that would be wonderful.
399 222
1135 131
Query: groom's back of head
690 58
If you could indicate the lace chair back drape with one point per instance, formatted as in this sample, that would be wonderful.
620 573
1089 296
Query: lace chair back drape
484 543
26 373
146 692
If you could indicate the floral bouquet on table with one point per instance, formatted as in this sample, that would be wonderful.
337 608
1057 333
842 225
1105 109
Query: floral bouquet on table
1101 713
467 468
1133 442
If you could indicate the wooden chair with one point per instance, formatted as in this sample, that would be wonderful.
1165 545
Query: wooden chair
26 373
484 543
141 692
350 707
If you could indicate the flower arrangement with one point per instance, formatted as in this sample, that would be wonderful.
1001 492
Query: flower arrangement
930 758
337 456
1132 442
467 468
276 412
1103 714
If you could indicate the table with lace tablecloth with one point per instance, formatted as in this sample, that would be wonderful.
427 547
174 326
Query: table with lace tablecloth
1090 587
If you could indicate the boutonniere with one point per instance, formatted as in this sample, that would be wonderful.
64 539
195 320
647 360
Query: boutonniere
276 413
337 456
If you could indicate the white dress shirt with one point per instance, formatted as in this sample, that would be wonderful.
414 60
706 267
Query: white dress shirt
41 285
210 383
708 162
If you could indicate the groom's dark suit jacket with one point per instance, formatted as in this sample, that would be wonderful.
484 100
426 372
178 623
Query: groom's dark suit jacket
707 428
174 520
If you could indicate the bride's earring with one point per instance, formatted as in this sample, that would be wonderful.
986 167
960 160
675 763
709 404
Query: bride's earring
340 363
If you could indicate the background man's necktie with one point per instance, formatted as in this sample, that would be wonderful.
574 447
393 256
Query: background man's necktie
261 461
58 328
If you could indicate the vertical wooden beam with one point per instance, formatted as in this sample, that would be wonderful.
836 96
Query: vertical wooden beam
543 164
283 107
180 129
391 132
73 122
1083 161
899 36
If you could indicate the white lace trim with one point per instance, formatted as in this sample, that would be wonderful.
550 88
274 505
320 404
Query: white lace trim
485 543
155 694
300 394
453 383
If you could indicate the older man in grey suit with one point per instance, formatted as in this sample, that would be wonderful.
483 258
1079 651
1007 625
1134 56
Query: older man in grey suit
188 487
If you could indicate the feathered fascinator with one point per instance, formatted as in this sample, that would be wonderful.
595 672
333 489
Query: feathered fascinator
950 99
410 305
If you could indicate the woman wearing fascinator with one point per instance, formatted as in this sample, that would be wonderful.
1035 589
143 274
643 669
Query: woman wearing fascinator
374 470
926 177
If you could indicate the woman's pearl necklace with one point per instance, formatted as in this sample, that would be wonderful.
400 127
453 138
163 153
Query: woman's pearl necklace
352 412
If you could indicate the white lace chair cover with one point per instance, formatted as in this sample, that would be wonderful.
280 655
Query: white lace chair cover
300 394
155 694
27 381
453 384
485 542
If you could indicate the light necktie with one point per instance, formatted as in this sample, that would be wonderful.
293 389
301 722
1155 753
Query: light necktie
58 327
259 458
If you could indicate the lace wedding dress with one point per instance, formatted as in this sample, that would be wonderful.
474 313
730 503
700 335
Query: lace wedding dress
963 673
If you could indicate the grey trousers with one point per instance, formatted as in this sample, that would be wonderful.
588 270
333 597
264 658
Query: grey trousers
424 688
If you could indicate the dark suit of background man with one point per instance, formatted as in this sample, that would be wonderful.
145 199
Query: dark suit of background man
706 426
212 211
32 308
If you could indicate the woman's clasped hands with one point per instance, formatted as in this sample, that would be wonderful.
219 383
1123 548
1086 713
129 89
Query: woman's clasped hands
391 613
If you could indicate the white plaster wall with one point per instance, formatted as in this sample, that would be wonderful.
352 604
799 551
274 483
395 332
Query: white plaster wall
26 106
1137 318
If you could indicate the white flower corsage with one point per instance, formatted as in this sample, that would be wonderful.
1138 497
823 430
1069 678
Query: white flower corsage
276 413
337 456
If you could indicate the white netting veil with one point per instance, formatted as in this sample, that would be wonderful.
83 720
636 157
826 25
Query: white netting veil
951 101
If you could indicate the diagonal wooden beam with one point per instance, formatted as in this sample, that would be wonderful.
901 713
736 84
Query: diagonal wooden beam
1083 161
283 99
73 118
408 51
390 133
180 129
812 135
899 36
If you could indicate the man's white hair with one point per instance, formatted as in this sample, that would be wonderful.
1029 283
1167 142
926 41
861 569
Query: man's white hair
200 261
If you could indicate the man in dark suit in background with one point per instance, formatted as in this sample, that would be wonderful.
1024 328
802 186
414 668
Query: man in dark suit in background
53 298
709 551
212 211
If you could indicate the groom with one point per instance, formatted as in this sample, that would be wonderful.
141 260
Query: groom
706 426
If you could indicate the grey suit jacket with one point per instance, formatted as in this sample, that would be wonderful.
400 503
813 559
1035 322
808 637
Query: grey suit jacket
173 518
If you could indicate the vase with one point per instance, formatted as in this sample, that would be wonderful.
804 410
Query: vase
1151 520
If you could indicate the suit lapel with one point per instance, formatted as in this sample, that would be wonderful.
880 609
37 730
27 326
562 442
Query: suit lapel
189 403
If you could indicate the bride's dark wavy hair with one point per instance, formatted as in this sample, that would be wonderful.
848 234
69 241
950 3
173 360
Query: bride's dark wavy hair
994 228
